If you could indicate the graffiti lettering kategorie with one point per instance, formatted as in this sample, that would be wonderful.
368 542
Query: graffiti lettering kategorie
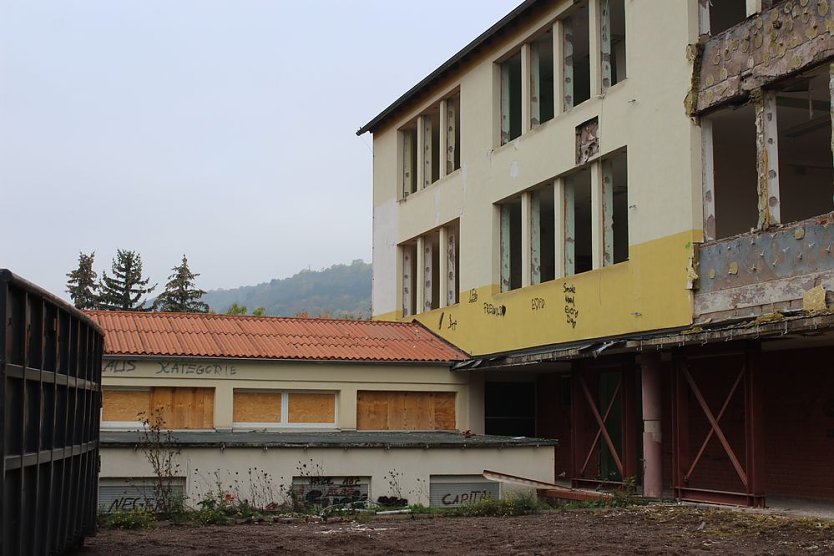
210 369
537 304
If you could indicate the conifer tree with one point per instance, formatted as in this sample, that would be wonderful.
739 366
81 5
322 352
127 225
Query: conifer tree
181 295
82 284
124 290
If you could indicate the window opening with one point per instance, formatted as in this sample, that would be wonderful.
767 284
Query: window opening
510 408
511 244
431 147
452 279
543 237
613 36
511 98
615 195
431 271
577 62
578 229
724 14
803 115
541 80
734 170
409 160
452 129
409 278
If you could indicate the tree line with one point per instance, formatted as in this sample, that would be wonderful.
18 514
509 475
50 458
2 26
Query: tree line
125 288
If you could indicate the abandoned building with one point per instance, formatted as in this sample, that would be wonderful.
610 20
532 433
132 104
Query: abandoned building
355 404
622 210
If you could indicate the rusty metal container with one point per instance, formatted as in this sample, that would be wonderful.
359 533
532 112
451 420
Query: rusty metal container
50 399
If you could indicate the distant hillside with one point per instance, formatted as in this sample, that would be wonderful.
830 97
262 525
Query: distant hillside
341 290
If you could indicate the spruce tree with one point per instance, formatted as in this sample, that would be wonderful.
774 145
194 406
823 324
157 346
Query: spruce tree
81 283
124 290
181 295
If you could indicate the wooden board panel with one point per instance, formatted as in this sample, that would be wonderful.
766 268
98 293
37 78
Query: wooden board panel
257 407
405 411
372 410
444 411
124 405
185 408
303 407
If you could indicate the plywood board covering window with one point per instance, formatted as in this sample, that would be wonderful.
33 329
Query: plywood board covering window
405 410
180 408
281 408
185 408
257 407
311 408
125 405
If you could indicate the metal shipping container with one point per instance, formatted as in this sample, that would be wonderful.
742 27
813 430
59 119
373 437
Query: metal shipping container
50 399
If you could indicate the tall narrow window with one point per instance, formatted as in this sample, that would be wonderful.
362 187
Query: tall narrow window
431 271
409 278
576 65
452 278
613 42
431 147
541 79
803 116
409 160
511 272
511 98
542 240
578 229
615 208
452 130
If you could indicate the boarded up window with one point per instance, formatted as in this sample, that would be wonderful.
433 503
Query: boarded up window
284 408
181 408
311 408
185 408
125 405
405 410
257 407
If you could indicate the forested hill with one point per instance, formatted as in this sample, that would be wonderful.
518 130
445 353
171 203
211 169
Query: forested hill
339 291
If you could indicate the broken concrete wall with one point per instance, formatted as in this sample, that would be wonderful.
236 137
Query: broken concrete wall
792 36
763 272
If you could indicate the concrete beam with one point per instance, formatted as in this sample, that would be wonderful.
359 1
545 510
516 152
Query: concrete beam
767 159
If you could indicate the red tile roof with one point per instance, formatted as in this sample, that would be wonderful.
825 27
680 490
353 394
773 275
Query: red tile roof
234 336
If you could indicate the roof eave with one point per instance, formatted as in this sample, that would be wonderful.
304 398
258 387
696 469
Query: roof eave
447 66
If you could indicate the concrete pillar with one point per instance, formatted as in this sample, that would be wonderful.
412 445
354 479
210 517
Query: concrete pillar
652 441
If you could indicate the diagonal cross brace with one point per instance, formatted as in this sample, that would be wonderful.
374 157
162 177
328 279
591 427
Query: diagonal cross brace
601 422
714 424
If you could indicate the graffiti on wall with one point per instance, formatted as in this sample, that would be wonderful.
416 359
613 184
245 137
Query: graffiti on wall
330 491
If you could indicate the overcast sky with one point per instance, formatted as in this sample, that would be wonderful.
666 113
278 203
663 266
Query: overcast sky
223 130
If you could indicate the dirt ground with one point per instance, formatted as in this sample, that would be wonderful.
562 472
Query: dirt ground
656 529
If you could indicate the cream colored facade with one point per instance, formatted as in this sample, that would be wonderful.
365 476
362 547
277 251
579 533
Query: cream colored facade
642 116
229 451
415 467
339 378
